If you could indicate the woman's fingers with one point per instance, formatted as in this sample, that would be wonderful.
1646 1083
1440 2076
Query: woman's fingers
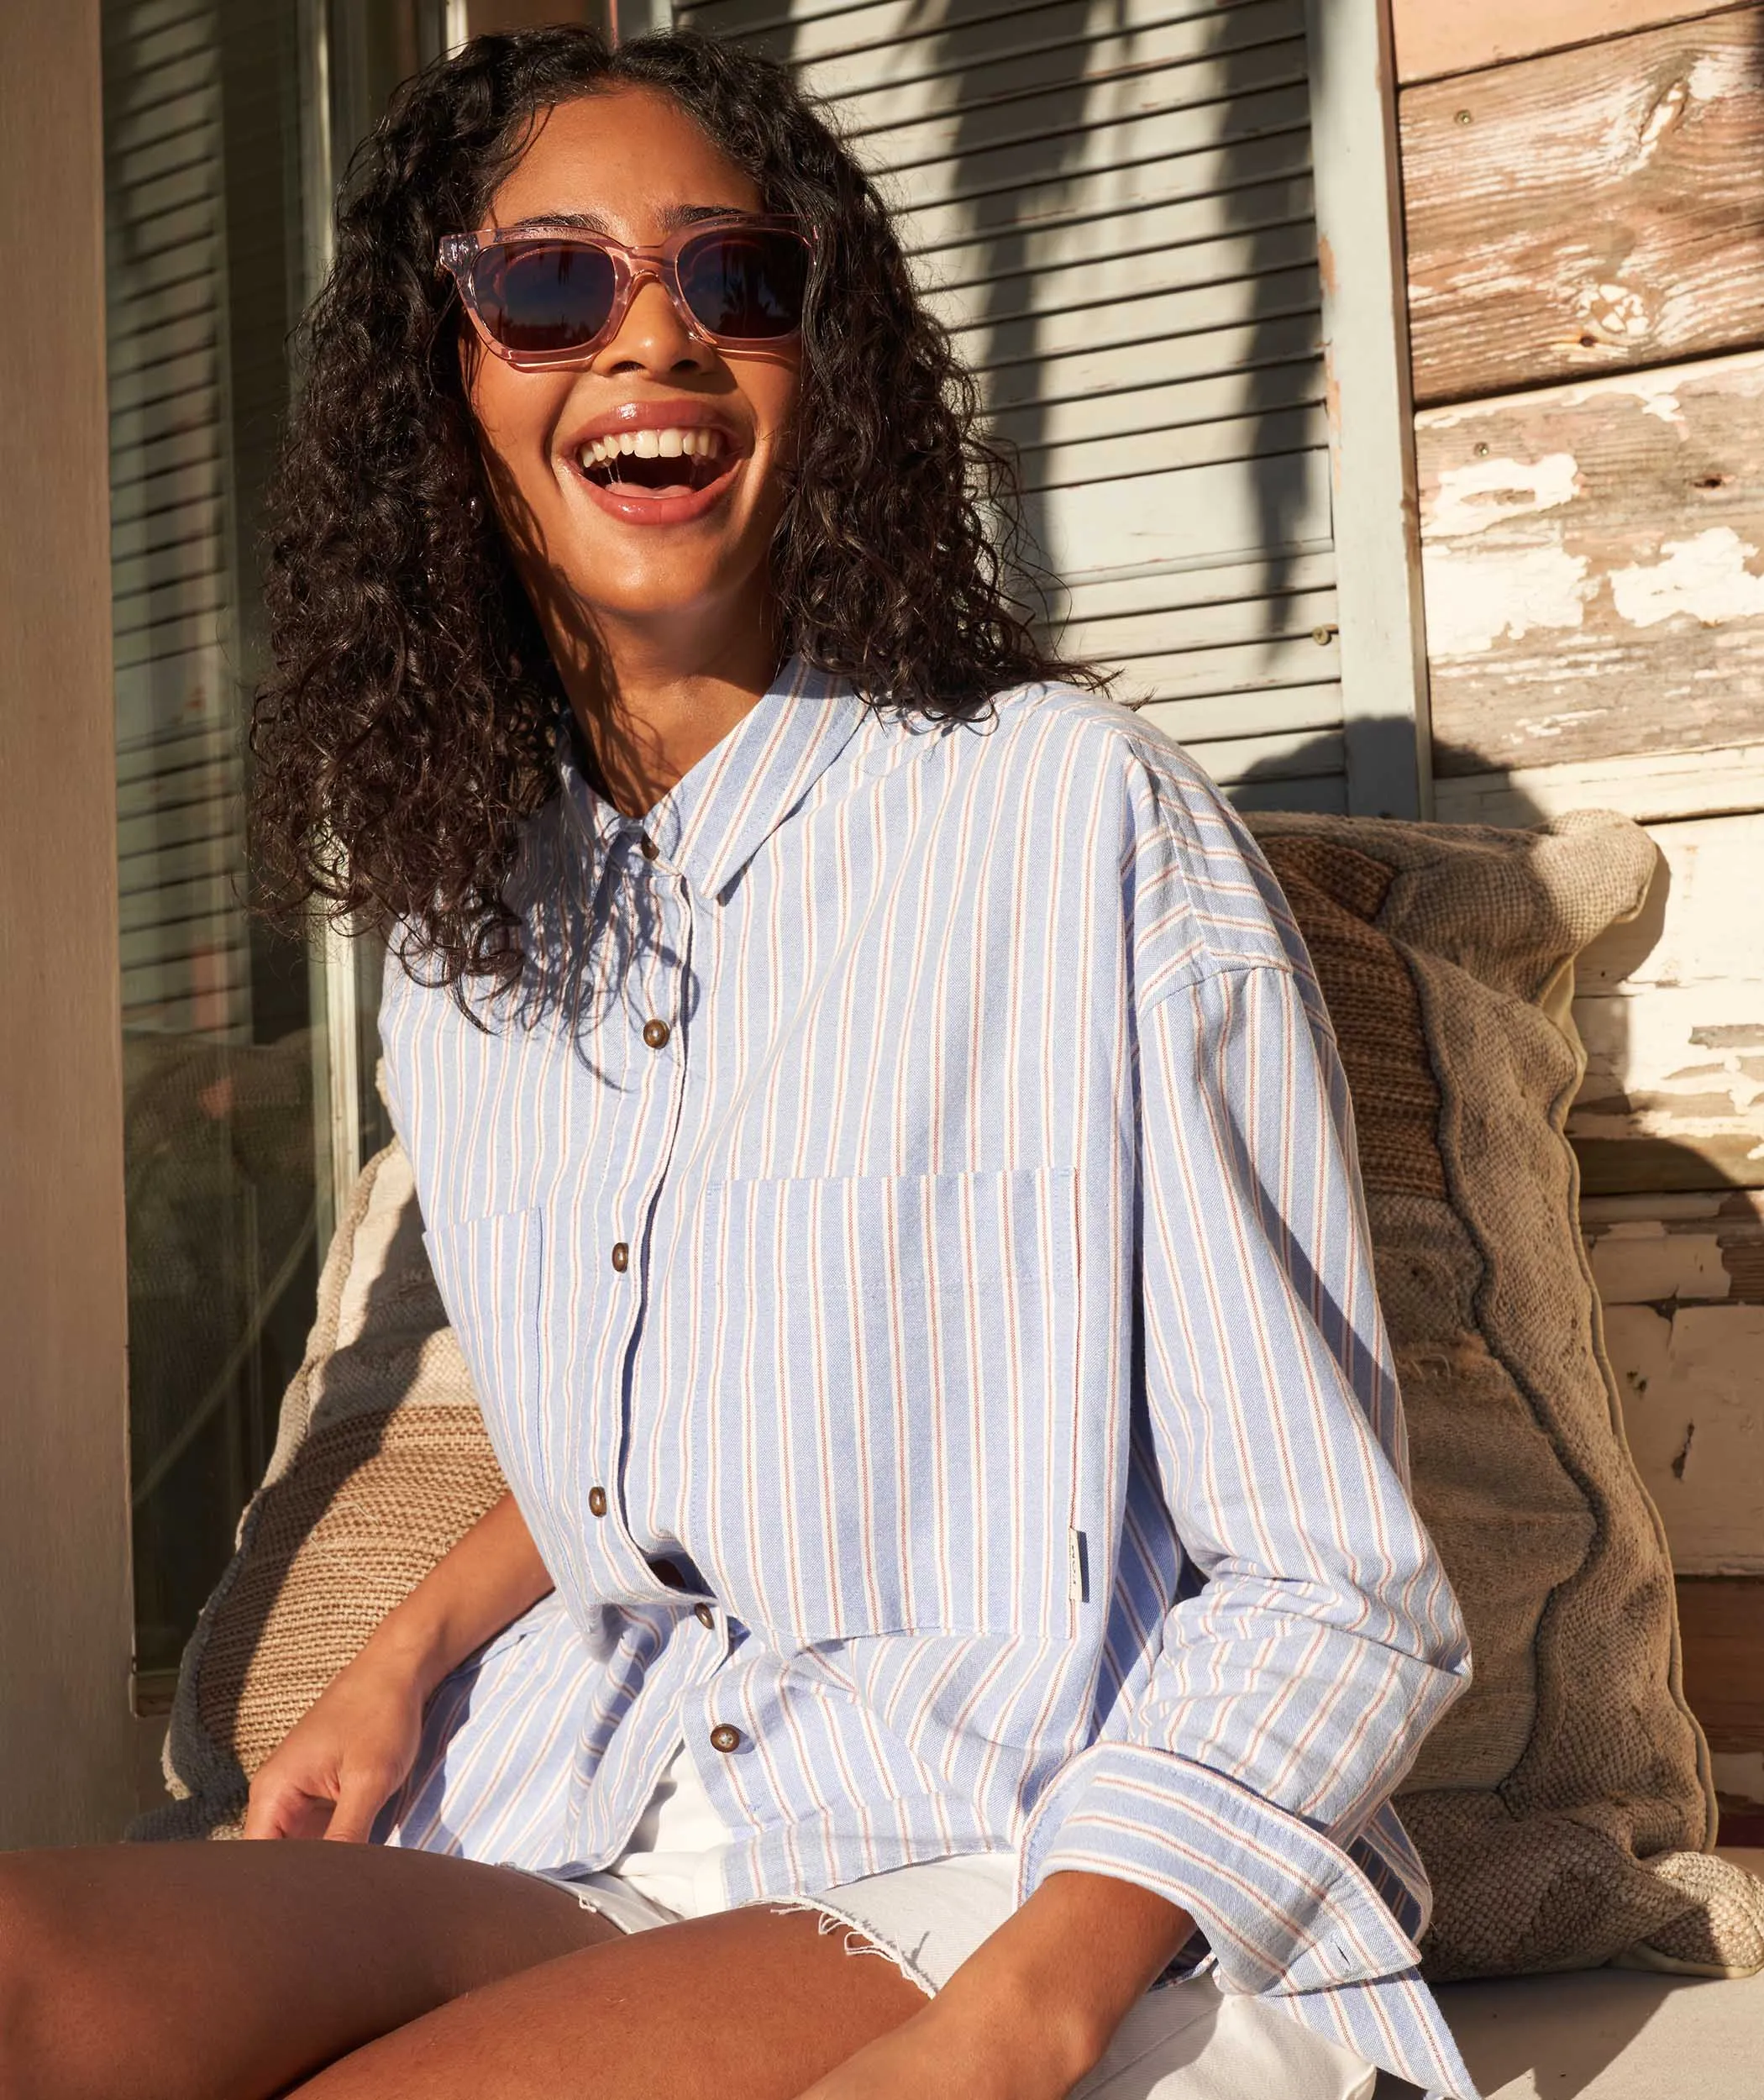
359 1799
281 1808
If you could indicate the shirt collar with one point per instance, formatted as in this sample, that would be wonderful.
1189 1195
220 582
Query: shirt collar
713 821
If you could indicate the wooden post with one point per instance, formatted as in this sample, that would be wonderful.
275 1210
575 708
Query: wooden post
1371 420
64 1607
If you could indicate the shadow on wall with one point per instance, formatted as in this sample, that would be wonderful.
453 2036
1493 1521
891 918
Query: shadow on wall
1058 123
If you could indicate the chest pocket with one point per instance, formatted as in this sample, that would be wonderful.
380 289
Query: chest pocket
885 1441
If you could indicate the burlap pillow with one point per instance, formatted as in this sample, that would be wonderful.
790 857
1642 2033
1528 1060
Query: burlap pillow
1563 1806
380 1465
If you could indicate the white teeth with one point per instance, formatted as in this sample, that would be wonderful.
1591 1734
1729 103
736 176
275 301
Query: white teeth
672 443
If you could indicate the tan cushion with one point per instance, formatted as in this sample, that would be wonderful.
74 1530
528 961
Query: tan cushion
382 1464
1562 1808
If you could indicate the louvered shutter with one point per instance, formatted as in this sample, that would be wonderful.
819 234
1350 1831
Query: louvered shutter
186 964
1109 201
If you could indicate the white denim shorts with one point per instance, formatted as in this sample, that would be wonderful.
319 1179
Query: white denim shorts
1186 2040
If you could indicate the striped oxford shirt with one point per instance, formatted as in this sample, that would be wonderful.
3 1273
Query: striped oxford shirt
906 1237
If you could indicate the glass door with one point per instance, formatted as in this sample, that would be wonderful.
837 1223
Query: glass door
248 1061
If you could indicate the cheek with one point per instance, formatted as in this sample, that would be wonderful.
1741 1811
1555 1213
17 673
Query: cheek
516 413
775 399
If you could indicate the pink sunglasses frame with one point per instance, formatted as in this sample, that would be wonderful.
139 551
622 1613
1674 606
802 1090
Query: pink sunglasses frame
631 268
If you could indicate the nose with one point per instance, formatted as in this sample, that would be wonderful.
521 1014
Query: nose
652 337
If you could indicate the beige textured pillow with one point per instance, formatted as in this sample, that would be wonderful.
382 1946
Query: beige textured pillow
1564 1807
382 1464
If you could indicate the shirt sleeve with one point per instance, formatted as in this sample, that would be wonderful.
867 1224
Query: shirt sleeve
1284 1699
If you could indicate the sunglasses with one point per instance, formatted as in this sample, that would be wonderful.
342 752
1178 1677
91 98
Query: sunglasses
548 297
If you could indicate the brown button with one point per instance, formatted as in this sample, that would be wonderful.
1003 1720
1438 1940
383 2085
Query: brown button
656 1034
621 1256
725 1738
649 849
597 1501
704 1614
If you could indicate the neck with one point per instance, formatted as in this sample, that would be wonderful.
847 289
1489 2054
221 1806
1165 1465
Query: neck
651 708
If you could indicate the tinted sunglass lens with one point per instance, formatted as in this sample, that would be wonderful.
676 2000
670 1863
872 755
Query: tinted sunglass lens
747 284
539 296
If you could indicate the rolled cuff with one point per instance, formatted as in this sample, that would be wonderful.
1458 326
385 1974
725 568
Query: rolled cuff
1287 1914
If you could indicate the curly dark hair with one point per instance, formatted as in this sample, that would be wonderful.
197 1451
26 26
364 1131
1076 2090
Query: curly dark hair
407 725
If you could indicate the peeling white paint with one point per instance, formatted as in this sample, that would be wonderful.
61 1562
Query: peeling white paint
1475 597
1705 578
1483 492
1718 73
1661 118
1619 311
1553 725
1743 371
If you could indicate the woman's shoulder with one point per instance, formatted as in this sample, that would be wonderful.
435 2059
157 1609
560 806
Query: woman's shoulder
1191 868
1108 749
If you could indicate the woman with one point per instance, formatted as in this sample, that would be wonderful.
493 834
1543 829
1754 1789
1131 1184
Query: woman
883 1155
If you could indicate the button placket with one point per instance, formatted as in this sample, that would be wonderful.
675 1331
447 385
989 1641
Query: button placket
657 988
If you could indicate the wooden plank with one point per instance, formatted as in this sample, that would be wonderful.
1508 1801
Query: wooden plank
1722 1627
1371 415
1684 1299
66 1635
1598 209
1591 568
1659 787
1432 40
1670 1009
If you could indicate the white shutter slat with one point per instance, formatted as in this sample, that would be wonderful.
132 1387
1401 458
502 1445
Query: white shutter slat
911 43
943 67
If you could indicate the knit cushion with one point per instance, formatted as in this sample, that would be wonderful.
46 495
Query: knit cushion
1563 1807
382 1464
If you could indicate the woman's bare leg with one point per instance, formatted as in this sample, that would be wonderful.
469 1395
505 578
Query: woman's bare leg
237 1972
755 2004
231 1971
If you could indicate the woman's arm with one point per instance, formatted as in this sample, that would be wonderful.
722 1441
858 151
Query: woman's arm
342 1761
1033 2008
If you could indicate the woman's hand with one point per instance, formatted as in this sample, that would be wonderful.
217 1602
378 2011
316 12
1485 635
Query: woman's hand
342 1761
1033 2008
339 1764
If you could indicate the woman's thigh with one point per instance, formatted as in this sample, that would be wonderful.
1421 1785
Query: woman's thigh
231 1971
756 2003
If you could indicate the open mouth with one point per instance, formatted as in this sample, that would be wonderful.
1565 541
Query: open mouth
674 462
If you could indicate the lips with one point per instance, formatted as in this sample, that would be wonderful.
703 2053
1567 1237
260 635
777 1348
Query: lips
656 463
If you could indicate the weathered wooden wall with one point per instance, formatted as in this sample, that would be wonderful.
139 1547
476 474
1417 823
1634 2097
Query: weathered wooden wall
1584 215
1671 1009
1592 566
1587 209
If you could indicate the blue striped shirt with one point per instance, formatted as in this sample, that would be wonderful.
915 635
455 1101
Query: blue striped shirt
913 1194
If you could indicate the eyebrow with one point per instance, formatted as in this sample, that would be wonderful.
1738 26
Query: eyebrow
673 217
